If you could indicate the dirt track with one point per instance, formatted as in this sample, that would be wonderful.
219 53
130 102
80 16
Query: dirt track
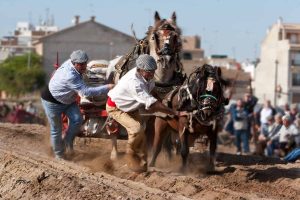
28 171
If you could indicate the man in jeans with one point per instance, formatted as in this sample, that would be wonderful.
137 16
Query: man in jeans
60 98
240 124
133 92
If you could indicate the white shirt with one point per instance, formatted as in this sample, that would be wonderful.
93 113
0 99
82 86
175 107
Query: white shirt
264 114
285 131
132 91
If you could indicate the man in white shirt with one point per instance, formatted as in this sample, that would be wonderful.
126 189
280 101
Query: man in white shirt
133 92
266 112
286 133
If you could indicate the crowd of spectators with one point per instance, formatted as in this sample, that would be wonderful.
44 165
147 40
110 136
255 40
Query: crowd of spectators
18 112
274 131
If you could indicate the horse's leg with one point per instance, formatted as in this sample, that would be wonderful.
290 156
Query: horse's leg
184 148
114 145
159 127
212 147
168 143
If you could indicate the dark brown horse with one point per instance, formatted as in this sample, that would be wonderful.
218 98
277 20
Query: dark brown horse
201 96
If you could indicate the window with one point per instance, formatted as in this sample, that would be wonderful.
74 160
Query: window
187 56
293 38
296 98
295 58
296 79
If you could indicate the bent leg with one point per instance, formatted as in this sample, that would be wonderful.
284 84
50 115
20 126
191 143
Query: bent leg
136 146
75 122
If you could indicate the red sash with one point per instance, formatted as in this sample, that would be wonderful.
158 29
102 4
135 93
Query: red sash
110 102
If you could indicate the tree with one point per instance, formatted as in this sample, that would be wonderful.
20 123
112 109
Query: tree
17 78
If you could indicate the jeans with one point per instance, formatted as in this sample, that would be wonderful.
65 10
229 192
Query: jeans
293 156
242 136
264 129
272 146
54 114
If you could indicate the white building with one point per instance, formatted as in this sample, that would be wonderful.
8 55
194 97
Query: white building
277 76
20 41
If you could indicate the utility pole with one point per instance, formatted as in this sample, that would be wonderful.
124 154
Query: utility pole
276 72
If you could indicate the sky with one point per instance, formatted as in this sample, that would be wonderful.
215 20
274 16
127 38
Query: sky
229 27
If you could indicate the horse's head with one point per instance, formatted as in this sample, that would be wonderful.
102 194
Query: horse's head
164 39
207 88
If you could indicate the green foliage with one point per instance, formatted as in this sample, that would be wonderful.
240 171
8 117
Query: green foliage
16 77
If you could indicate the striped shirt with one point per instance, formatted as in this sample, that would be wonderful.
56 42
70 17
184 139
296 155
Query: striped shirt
67 83
132 92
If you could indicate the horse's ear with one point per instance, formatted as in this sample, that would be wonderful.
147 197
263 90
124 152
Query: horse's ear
173 17
156 17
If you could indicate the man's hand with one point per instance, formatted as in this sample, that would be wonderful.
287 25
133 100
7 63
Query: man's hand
111 86
181 113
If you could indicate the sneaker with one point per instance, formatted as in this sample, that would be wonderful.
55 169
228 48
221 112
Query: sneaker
238 153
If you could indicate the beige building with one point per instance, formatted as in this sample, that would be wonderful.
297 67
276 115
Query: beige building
277 76
192 53
222 61
98 40
193 57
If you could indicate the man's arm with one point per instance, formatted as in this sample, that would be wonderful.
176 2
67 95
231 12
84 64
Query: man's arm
158 106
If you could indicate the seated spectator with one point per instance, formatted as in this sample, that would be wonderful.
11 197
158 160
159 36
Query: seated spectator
273 136
293 112
31 108
293 156
297 124
4 110
265 112
286 133
263 137
19 114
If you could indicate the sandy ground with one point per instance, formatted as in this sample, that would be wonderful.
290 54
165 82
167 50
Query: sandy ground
28 171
